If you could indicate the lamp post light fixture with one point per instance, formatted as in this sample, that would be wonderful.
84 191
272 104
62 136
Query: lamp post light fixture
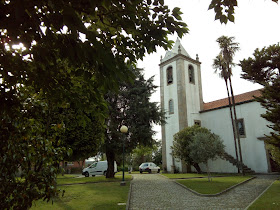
124 130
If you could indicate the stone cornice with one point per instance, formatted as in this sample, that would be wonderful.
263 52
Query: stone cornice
178 56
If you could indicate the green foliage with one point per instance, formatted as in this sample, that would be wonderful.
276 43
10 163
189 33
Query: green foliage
52 87
263 68
275 153
142 154
224 9
206 146
157 155
182 142
131 106
196 145
224 61
31 151
147 154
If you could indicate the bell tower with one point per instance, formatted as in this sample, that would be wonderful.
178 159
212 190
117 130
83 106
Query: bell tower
181 99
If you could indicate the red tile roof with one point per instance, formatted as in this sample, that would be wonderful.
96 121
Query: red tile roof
238 99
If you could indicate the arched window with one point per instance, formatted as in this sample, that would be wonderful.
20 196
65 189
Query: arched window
171 106
169 75
191 74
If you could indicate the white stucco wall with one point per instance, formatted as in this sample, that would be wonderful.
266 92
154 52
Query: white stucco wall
192 94
172 125
253 149
192 103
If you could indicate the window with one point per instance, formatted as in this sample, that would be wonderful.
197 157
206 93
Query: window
191 74
169 75
197 122
241 128
171 106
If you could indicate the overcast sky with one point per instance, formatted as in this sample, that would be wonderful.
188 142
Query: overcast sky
256 26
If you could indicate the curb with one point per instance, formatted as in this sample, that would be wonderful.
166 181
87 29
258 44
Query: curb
129 196
260 195
217 194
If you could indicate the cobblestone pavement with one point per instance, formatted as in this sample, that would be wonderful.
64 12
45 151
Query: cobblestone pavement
152 191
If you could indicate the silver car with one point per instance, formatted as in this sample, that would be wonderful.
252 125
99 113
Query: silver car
149 167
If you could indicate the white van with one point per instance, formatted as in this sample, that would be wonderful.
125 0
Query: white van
98 168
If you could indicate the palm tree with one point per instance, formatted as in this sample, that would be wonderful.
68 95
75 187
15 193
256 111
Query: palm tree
220 67
224 63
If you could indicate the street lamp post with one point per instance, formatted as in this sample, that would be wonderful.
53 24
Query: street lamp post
124 130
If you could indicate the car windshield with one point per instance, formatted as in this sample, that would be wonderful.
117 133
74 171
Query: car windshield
93 165
144 164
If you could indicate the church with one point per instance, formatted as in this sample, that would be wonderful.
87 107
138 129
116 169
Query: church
182 101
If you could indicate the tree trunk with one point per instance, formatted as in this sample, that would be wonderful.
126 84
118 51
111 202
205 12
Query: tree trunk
208 172
197 168
110 159
237 130
233 125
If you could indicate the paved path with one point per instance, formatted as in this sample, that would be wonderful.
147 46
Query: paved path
152 191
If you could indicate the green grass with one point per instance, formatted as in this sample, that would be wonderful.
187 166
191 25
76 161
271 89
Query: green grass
270 199
218 184
133 172
181 176
96 196
68 180
59 176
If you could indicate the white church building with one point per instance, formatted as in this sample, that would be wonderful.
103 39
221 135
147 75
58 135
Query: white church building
181 99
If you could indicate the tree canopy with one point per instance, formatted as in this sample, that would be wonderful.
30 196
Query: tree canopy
182 144
131 106
264 68
57 60
206 146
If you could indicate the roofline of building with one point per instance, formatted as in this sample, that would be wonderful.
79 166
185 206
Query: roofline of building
177 56
221 107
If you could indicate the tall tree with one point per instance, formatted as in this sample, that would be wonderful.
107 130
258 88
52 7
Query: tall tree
219 65
51 59
131 106
223 64
264 68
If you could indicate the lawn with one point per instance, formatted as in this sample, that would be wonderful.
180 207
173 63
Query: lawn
106 195
133 172
102 194
182 176
59 176
270 199
68 180
218 184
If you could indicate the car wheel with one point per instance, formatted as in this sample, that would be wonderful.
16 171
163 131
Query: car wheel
158 170
150 171
93 175
86 174
105 172
141 172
